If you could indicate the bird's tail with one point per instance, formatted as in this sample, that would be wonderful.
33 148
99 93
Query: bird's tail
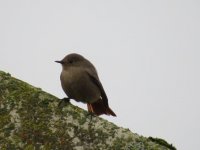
99 108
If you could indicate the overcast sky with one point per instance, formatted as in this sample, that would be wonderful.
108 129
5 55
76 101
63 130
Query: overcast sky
146 53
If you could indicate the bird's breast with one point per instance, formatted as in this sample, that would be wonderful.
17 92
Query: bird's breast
77 85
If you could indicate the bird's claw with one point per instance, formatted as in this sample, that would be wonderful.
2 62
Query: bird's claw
64 101
90 115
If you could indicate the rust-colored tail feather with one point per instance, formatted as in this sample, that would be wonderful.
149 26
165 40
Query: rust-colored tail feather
99 108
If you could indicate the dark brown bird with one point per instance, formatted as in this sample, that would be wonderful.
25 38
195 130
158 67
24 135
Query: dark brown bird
80 81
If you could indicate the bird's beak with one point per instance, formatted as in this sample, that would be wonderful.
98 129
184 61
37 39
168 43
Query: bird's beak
61 62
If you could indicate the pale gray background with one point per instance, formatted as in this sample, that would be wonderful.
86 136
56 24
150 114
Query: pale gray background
146 53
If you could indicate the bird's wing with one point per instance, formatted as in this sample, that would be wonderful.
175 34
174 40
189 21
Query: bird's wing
95 80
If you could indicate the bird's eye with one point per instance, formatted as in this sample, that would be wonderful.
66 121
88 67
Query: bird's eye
71 61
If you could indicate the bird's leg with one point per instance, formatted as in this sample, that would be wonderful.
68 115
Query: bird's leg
90 111
63 100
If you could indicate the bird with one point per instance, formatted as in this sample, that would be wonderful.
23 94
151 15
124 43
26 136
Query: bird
80 81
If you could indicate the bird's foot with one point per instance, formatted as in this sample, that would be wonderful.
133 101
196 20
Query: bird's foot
64 101
90 115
